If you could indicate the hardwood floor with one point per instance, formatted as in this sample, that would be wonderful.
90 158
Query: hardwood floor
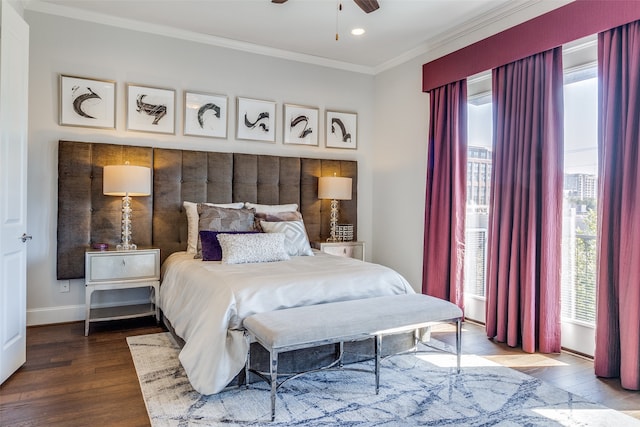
565 370
73 380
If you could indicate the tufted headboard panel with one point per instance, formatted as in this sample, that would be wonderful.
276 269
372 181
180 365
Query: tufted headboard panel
86 216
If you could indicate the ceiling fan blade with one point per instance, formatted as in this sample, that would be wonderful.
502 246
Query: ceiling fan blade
278 1
368 5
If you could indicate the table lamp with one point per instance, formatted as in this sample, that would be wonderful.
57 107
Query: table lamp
126 181
334 188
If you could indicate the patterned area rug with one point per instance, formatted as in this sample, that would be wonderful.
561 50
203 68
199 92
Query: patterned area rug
414 390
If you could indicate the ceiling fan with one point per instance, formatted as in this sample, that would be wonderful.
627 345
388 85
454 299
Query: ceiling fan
367 5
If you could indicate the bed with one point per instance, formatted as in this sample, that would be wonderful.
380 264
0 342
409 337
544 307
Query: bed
204 302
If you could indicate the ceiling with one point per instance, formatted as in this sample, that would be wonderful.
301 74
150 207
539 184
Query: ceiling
301 29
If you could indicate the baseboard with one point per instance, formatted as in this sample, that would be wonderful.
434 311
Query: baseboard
67 313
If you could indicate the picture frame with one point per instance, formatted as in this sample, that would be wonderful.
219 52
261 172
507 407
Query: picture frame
256 120
341 130
300 125
87 102
205 114
150 109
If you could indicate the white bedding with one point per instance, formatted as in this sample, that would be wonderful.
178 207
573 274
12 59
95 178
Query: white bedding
206 301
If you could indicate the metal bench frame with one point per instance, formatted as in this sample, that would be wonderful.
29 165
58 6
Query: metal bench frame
272 376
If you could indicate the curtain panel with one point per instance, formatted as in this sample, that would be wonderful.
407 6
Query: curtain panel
618 280
525 215
446 193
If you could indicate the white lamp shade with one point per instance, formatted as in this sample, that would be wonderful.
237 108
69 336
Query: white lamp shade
120 180
334 187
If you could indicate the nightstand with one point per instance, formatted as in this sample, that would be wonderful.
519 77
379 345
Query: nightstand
345 249
108 270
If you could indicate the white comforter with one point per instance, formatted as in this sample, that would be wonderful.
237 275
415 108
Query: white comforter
207 301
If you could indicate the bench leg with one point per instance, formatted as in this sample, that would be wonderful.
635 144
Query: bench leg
274 382
378 351
458 342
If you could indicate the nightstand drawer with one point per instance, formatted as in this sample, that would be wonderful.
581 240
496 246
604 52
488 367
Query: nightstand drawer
344 249
110 266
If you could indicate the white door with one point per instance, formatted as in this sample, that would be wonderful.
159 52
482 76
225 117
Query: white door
14 75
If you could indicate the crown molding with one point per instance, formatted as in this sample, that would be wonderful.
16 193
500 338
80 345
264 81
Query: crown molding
589 42
473 30
162 30
476 29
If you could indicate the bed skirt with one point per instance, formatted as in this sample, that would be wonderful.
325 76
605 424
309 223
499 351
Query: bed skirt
315 357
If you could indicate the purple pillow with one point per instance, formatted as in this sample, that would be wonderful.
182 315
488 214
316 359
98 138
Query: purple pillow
211 249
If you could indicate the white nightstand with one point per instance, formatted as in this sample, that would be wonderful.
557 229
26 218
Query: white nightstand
345 249
106 270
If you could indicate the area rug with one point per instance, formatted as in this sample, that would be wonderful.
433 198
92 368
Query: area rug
414 390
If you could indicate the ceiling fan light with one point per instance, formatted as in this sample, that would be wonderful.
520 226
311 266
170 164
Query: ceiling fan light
357 31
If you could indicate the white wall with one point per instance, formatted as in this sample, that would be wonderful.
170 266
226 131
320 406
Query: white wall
61 45
392 127
400 156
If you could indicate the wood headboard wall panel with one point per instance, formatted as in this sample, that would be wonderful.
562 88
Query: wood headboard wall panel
86 216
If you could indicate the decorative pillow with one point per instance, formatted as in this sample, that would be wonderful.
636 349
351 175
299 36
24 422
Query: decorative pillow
223 219
277 217
211 250
292 207
191 210
250 248
296 241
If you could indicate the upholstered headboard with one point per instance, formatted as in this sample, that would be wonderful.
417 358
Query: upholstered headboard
86 216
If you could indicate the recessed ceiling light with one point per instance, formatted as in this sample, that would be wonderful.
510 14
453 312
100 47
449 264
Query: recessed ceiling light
357 31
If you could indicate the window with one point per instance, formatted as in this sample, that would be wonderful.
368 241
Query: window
480 131
580 191
578 295
580 209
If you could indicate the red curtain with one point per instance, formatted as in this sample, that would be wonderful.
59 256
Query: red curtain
446 194
618 282
525 215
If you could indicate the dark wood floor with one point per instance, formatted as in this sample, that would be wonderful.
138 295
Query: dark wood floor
73 380
565 370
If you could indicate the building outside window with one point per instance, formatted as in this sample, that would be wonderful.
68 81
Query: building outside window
479 114
579 250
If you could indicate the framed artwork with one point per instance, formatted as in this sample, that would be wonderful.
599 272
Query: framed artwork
151 109
342 130
205 115
87 102
300 125
256 120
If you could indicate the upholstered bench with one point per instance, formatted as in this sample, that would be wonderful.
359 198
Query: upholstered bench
338 322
